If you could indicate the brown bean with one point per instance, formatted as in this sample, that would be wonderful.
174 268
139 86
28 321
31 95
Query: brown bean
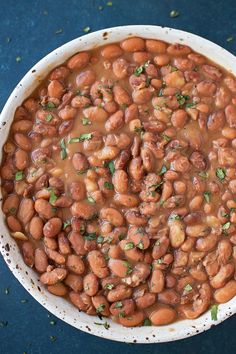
95 114
44 209
216 121
77 242
60 73
58 289
112 215
127 200
225 272
133 44
22 126
52 227
126 307
120 181
55 256
225 293
179 118
23 141
75 264
85 78
156 46
163 316
13 223
78 61
120 292
26 210
83 210
157 280
40 260
115 121
36 227
169 297
145 301
55 89
111 51
132 321
50 243
11 204
177 233
28 253
121 96
97 264
63 244
230 113
133 217
90 284
75 282
54 276
120 68
21 159
80 161
118 267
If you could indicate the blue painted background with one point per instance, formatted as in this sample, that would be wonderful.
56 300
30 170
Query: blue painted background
27 33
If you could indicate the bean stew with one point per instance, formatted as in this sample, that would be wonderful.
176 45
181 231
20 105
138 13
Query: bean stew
119 182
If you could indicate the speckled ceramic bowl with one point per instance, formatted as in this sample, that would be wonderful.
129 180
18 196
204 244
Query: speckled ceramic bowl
8 247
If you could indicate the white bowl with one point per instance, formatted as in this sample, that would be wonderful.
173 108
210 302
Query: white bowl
8 247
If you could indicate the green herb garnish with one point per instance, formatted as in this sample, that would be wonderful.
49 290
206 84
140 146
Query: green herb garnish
140 245
203 174
81 172
226 226
230 39
49 117
207 196
191 105
53 197
111 166
129 267
66 223
166 137
63 149
49 105
108 185
86 29
174 217
91 200
118 305
174 13
53 338
109 286
86 121
188 288
214 312
100 239
105 324
162 171
100 308
138 71
81 138
220 173
12 210
90 236
181 99
129 246
19 176
147 322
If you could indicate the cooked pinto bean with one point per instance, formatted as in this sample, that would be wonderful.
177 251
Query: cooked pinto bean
134 216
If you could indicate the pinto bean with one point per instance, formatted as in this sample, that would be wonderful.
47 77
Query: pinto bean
225 272
113 216
28 253
36 227
177 233
80 162
54 276
22 126
133 44
121 96
225 293
133 217
78 61
120 292
75 282
98 264
60 73
162 316
40 260
157 281
11 204
111 51
115 121
169 297
77 242
120 181
216 121
132 321
52 227
75 264
58 289
90 284
127 200
95 114
198 230
55 256
13 223
230 113
77 190
125 307
26 210
83 210
23 141
101 305
145 301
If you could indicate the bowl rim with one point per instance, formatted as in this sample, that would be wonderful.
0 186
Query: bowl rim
26 276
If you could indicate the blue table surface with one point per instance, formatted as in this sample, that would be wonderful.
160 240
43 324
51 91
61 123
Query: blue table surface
28 31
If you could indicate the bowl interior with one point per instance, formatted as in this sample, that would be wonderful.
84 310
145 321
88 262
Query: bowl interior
8 247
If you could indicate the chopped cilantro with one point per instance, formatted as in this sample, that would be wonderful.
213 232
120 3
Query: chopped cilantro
63 149
53 197
188 288
111 166
214 312
147 322
86 121
81 138
91 200
162 171
203 174
220 173
181 99
100 308
66 223
100 239
109 286
226 226
129 246
108 185
49 117
105 324
90 236
174 13
86 29
128 266
19 176
207 196
118 305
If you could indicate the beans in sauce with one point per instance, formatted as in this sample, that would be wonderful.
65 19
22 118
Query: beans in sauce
119 182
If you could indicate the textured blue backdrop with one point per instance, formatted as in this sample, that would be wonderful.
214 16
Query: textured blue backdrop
28 31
